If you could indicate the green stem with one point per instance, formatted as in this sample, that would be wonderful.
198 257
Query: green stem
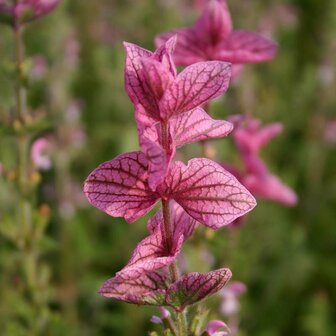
182 324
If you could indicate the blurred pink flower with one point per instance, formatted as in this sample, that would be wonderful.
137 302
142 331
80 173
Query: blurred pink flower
330 132
165 314
39 67
72 50
212 38
40 154
230 295
23 11
250 138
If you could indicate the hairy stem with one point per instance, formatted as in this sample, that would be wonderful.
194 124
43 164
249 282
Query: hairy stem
25 208
182 324
20 90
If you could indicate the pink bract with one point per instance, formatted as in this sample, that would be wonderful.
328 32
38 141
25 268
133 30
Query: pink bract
152 287
206 191
152 253
212 38
119 187
194 287
136 287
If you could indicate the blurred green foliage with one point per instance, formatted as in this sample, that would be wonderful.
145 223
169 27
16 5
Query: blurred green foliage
285 256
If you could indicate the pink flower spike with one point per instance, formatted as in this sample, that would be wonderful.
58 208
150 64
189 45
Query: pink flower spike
136 287
212 38
119 187
214 326
208 193
197 125
194 86
194 287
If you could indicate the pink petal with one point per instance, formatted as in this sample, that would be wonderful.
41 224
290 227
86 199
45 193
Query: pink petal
209 193
136 287
194 86
197 125
194 287
119 187
189 49
137 89
215 22
215 325
246 47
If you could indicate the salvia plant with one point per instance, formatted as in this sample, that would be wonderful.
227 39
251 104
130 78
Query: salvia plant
171 110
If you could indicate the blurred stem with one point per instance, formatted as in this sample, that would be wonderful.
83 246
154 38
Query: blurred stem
182 324
25 209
